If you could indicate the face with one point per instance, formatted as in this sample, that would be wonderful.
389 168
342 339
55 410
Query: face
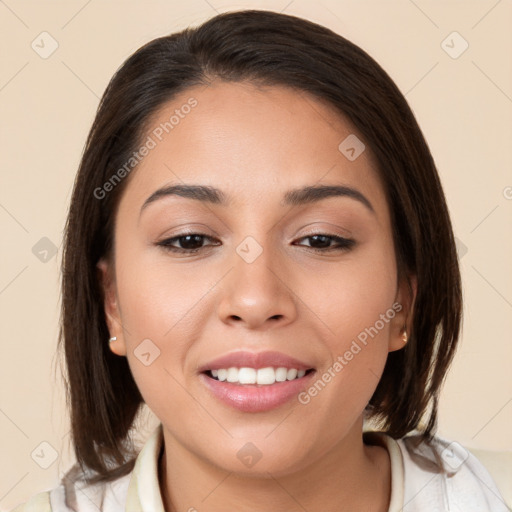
299 282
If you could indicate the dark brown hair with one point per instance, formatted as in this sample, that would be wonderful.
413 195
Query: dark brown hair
266 48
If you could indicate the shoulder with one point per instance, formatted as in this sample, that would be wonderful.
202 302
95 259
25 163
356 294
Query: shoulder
38 503
74 494
444 473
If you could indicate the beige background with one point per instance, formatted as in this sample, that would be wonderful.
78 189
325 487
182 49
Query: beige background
463 105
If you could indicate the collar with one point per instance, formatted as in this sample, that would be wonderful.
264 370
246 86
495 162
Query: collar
396 501
143 490
144 494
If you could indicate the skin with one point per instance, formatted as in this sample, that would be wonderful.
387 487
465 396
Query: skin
255 144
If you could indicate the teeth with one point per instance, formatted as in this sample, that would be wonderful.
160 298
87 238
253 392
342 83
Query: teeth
262 376
232 375
247 375
266 376
291 374
281 374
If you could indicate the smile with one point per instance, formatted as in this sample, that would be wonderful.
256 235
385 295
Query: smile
266 394
261 376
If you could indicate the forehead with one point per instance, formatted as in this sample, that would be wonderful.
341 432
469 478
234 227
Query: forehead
253 143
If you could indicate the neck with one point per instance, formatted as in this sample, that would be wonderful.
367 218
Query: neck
351 476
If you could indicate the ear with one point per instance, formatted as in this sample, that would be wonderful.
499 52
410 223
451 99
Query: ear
401 324
111 307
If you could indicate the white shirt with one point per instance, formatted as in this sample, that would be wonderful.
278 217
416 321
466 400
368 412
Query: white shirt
418 483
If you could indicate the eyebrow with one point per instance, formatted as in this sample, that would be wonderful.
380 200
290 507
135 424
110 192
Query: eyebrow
295 197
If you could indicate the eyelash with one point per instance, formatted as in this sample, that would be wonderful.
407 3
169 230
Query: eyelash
345 244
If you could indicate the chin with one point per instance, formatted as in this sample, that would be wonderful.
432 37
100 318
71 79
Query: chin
261 458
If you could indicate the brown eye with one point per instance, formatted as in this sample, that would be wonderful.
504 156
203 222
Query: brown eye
185 243
322 242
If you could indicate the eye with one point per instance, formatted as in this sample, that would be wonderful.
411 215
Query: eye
189 243
320 242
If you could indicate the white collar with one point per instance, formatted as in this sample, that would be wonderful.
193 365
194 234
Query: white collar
144 492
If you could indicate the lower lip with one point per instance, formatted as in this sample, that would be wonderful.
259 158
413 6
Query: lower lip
254 398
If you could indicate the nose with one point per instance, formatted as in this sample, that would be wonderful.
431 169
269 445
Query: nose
257 293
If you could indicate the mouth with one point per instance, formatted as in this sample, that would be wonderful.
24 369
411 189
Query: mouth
256 377
256 390
255 381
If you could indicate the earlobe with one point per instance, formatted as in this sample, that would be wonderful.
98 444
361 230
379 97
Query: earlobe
117 346
110 307
401 326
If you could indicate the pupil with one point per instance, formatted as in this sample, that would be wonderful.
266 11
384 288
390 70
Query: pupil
189 244
317 237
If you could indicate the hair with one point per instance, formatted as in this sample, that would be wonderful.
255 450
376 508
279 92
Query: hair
262 48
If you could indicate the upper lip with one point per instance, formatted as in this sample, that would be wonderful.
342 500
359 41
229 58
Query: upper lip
256 360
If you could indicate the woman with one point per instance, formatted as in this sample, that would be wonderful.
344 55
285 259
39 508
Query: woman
258 248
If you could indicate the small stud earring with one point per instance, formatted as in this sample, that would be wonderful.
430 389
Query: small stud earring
404 336
114 338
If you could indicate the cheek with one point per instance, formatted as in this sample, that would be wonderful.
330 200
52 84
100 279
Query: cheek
352 294
354 304
159 316
157 297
